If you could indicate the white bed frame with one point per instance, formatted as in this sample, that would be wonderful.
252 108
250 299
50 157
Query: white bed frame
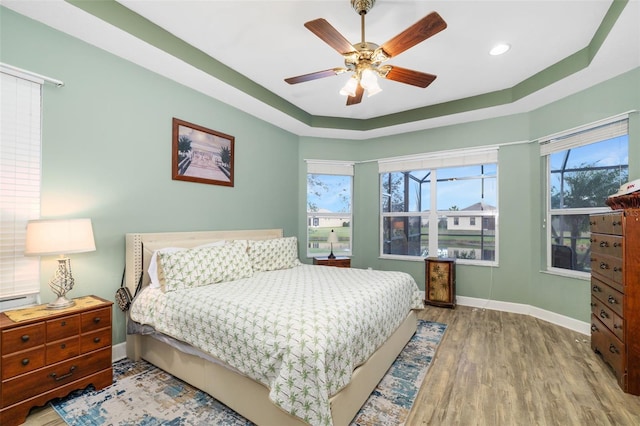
242 394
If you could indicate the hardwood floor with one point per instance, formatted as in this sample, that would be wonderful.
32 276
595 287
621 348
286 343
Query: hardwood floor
497 368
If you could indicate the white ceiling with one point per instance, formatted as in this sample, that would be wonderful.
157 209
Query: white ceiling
267 42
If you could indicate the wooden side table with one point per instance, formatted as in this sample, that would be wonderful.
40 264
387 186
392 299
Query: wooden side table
46 354
339 261
440 282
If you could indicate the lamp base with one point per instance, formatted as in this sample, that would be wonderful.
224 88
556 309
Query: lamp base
331 255
61 303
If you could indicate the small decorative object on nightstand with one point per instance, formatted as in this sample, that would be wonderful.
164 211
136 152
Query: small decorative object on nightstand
339 261
46 354
440 282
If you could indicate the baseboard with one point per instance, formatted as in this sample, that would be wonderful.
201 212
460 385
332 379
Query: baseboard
519 308
119 351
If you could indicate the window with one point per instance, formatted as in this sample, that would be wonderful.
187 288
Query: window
329 194
440 205
583 167
19 185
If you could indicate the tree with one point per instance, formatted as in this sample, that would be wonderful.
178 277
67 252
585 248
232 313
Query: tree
184 144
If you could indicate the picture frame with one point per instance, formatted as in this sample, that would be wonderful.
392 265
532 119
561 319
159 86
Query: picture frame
201 155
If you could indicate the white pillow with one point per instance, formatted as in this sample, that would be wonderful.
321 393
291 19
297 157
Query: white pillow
153 265
272 254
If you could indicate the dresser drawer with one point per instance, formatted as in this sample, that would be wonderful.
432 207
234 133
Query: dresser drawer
96 319
21 338
608 295
608 317
95 340
607 244
613 351
63 349
608 268
50 377
608 223
22 362
63 327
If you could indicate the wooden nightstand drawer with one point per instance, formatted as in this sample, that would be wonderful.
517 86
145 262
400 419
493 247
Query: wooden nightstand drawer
339 261
62 349
96 340
63 327
45 379
21 338
96 319
22 362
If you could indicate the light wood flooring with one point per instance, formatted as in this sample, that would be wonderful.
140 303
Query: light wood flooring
495 368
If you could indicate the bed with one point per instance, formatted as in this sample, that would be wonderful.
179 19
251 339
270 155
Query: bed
219 366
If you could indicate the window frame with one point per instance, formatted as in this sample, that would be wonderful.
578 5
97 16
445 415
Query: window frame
334 168
581 136
433 162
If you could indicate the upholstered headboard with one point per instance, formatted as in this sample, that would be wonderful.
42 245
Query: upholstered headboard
140 247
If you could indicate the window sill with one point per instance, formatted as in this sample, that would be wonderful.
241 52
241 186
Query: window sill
567 273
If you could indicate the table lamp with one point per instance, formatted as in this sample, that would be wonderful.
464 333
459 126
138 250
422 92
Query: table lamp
333 238
59 237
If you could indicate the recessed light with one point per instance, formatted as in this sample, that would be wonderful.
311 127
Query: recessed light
499 49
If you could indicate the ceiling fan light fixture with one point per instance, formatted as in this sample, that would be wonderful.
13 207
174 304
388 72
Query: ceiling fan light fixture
369 82
349 89
499 49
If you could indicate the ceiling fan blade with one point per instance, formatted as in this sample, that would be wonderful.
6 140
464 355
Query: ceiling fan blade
314 75
407 76
428 26
352 100
330 35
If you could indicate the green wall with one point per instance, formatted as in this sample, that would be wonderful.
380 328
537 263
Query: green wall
106 155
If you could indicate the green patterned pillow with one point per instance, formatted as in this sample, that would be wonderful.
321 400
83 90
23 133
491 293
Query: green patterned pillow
277 253
188 268
233 261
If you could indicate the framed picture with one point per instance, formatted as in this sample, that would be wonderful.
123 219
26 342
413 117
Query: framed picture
201 155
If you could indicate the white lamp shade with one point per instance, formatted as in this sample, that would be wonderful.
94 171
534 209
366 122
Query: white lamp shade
59 236
333 237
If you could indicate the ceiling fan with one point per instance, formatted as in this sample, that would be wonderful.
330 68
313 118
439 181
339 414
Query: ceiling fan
366 59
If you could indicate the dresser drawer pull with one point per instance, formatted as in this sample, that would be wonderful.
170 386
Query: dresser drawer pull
612 300
25 362
63 323
616 326
617 244
613 349
616 269
594 328
604 265
96 320
25 338
603 314
604 244
55 377
593 305
96 340
63 346
596 289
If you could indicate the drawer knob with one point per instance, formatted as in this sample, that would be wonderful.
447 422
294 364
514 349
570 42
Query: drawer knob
594 328
25 362
604 244
617 326
603 314
25 338
63 323
617 244
612 300
57 378
96 320
617 269
596 289
604 265
613 349
63 346
96 340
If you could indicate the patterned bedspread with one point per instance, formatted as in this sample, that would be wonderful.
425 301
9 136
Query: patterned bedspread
299 331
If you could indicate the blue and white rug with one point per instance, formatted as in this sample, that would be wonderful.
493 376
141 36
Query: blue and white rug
144 395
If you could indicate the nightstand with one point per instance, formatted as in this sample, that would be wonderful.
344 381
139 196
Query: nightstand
440 282
339 261
48 353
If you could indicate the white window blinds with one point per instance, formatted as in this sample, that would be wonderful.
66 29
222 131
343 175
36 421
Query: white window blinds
327 167
436 160
20 110
608 129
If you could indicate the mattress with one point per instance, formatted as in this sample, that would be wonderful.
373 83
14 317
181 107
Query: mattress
299 331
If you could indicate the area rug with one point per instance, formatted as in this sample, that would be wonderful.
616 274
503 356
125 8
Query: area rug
144 395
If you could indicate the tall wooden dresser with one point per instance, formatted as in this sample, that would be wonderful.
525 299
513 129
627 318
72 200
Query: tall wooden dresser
615 293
